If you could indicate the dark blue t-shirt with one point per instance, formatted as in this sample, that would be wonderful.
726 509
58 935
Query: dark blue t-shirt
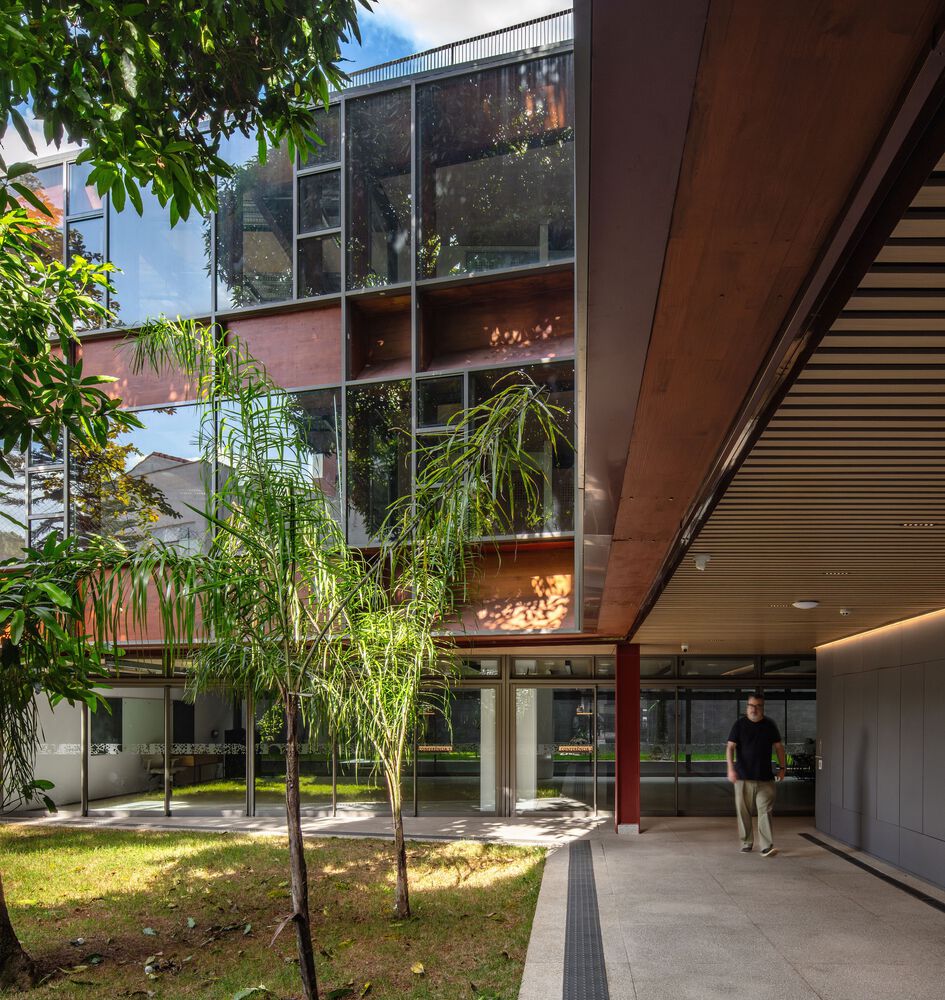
753 742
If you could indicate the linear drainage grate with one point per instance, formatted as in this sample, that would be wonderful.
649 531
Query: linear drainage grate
585 977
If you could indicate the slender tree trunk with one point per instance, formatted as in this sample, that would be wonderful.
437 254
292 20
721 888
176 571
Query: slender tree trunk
402 894
298 872
16 967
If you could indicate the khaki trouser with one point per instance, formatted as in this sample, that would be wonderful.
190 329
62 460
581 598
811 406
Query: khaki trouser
757 797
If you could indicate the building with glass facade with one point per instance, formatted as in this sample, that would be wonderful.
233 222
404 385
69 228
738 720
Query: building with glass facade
389 279
720 244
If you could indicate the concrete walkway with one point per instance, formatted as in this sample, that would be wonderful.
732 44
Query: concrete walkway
685 916
548 831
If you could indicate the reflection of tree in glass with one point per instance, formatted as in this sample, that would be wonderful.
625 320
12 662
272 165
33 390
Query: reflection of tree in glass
254 231
379 189
13 504
108 500
50 238
378 449
496 184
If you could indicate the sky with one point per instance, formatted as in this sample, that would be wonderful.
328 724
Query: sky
398 28
394 28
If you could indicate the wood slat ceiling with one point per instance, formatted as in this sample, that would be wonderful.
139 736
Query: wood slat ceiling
842 499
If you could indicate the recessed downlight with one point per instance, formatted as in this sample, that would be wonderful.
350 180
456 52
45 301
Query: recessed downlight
779 605
836 572
918 524
806 603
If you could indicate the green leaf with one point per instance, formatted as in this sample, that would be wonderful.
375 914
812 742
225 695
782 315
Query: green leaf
17 624
243 994
56 593
20 125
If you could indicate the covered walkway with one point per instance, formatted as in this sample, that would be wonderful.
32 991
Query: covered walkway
685 916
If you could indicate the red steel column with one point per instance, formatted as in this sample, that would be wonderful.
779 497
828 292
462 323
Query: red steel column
627 812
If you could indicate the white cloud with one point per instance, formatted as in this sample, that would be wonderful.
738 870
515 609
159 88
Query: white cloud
435 22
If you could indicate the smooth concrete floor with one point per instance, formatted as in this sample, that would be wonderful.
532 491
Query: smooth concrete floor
685 916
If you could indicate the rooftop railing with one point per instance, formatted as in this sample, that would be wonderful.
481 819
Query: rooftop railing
551 29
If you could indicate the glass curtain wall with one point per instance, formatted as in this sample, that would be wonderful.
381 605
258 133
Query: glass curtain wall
456 756
496 168
254 226
208 754
378 454
126 761
144 482
319 210
378 189
315 763
556 464
167 273
682 748
554 749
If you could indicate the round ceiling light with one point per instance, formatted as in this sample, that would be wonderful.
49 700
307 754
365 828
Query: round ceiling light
806 604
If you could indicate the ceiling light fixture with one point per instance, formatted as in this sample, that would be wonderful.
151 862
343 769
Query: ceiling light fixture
918 524
778 605
805 604
836 572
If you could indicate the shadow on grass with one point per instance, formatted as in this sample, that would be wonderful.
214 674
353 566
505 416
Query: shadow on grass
473 907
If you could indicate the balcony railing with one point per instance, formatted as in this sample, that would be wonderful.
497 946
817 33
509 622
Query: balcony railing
540 32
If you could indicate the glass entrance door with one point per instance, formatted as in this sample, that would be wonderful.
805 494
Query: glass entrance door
554 749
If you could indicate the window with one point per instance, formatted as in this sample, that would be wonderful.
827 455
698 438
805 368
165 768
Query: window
496 167
46 184
254 227
554 465
164 270
13 505
438 399
378 130
145 482
328 128
378 455
321 409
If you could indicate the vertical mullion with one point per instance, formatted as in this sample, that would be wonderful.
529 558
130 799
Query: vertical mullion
296 206
168 738
84 758
594 746
414 303
250 769
416 804
675 751
345 346
343 191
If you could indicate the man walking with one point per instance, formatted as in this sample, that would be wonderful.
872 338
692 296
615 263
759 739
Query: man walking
748 753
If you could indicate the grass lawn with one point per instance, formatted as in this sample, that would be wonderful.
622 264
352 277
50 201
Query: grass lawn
211 903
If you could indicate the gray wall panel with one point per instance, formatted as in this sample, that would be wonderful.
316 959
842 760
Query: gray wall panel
822 786
924 856
887 746
880 839
835 739
859 743
933 774
911 747
846 825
